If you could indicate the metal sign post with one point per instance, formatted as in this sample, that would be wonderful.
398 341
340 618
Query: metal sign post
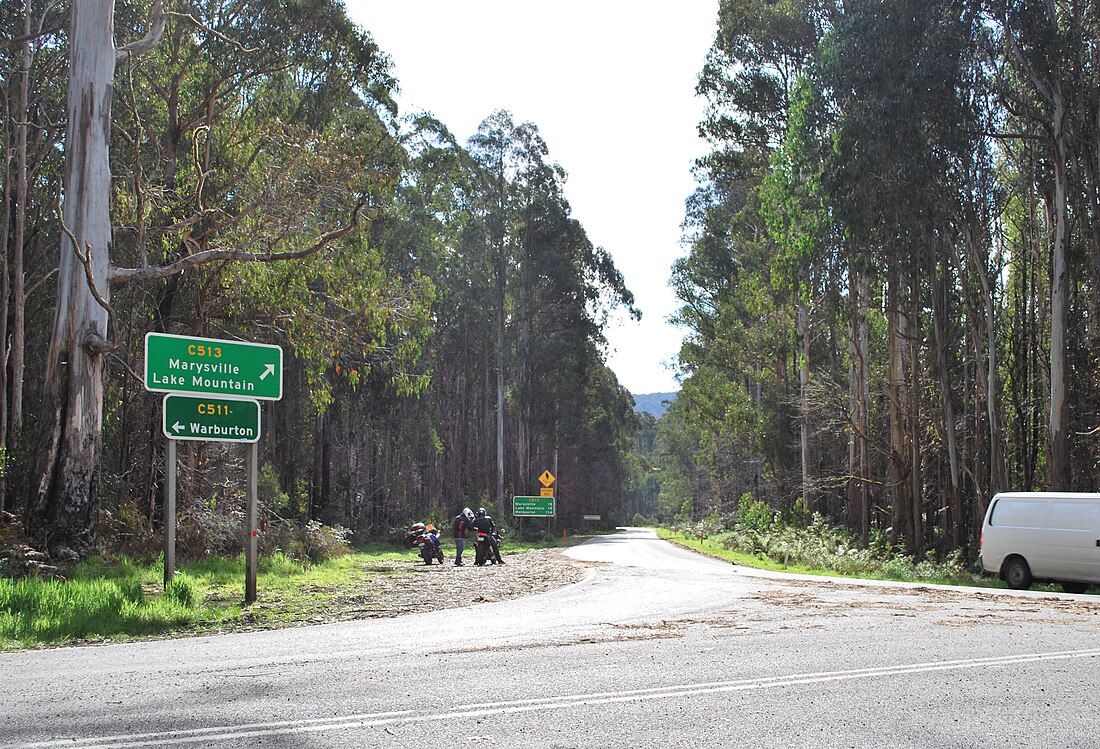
170 515
253 531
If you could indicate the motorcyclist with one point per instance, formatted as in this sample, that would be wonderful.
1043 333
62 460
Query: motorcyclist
462 523
484 523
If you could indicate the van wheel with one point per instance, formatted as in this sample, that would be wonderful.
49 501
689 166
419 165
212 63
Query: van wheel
1075 587
1016 573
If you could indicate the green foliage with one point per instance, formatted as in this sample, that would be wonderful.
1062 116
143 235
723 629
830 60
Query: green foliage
310 542
270 494
33 610
821 546
270 192
181 591
754 515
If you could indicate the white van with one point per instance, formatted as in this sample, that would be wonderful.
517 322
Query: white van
1051 536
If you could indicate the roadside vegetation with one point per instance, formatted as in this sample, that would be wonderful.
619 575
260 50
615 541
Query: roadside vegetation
117 598
758 536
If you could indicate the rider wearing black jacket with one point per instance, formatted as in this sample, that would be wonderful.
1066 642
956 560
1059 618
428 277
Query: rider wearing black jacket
484 523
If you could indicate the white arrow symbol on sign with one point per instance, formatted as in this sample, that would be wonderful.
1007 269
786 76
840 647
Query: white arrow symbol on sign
177 426
268 370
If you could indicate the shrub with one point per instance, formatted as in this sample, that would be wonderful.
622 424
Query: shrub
126 530
201 533
311 542
754 515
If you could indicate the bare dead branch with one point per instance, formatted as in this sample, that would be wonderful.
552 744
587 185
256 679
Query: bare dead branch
121 276
85 259
147 42
34 286
199 24
37 35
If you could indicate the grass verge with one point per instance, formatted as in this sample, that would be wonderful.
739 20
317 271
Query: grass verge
118 599
714 547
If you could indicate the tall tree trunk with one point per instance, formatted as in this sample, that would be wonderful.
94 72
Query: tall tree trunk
855 509
864 395
998 478
1059 303
18 299
899 453
808 498
5 235
916 479
67 494
500 391
955 513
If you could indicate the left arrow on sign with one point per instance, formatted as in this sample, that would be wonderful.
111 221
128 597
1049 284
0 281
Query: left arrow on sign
177 426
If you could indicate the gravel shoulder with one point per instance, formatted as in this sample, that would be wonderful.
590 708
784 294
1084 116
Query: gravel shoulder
392 588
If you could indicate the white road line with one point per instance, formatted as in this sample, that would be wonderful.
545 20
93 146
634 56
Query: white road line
367 720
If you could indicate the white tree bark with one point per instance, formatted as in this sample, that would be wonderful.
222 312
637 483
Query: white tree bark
68 492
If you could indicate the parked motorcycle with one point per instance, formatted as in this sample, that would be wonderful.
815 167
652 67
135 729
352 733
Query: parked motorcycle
426 539
483 547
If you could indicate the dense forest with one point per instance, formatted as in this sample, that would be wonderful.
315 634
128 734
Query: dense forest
890 289
892 286
440 311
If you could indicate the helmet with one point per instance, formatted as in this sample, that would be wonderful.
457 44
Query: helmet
481 512
468 513
417 528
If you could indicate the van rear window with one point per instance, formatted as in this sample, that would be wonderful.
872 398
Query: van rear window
1018 513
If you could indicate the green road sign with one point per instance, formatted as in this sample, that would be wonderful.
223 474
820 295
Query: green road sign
175 364
217 419
533 507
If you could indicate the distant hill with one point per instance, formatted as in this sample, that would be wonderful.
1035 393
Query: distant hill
654 403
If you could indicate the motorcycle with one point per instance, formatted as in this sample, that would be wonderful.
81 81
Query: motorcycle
483 548
426 539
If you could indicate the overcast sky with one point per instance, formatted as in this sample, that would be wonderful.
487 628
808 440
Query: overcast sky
610 85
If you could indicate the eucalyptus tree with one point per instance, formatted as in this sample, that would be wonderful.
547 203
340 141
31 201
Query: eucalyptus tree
739 322
262 179
1047 76
495 149
553 291
31 66
904 139
436 225
797 218
67 491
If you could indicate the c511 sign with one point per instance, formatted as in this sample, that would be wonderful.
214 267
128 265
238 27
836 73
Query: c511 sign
185 364
212 418
533 507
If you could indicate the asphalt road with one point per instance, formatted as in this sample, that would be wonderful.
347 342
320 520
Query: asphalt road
657 647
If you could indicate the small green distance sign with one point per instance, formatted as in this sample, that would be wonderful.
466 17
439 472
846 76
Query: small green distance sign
175 363
216 419
533 507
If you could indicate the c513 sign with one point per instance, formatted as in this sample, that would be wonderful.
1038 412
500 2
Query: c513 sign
184 364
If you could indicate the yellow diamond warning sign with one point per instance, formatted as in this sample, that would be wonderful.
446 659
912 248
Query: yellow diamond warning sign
547 478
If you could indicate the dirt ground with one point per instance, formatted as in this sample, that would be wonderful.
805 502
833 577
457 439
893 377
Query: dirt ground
399 587
521 574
